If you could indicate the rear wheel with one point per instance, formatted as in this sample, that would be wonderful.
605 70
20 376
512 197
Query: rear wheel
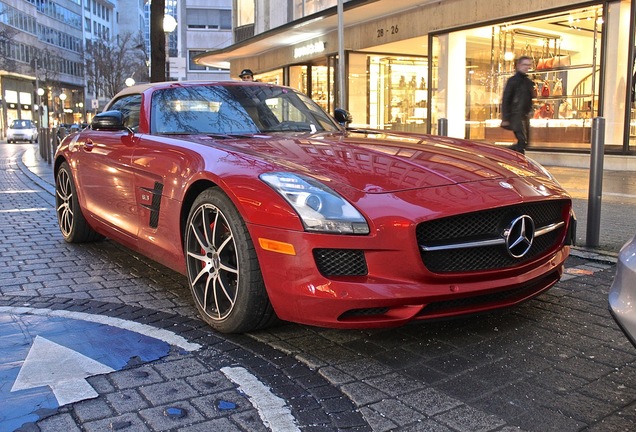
70 219
222 267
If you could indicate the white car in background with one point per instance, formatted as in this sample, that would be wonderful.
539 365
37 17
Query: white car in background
22 130
622 294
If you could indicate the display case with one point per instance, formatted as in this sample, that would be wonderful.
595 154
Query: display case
407 96
566 91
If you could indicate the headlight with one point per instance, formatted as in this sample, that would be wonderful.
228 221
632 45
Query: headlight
320 208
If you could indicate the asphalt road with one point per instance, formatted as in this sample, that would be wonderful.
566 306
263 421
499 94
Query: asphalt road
554 363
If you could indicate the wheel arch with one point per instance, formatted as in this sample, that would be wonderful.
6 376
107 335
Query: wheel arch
191 194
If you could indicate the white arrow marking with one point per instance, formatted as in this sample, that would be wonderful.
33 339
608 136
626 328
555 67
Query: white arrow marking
60 368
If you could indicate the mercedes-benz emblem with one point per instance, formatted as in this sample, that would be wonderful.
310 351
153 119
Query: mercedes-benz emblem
519 236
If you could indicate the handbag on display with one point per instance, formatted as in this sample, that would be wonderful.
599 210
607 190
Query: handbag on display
541 64
546 111
545 52
545 90
565 110
549 62
559 59
557 90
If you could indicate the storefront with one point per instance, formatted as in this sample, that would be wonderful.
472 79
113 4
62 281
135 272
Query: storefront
16 102
567 49
406 73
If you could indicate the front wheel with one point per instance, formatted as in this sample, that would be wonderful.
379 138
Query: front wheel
70 219
222 267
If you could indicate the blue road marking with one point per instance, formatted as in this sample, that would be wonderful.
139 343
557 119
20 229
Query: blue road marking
110 346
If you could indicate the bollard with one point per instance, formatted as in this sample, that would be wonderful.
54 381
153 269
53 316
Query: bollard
50 146
442 127
41 143
596 183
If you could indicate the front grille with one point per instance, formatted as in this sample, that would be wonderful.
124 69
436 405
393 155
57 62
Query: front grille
340 262
487 225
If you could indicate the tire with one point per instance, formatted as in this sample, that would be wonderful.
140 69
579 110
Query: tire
70 219
222 267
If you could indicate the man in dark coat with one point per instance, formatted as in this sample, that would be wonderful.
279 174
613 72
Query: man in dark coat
516 104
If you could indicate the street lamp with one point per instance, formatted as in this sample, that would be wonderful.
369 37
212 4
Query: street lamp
130 81
63 98
169 25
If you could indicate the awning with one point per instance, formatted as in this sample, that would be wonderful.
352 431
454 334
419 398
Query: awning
310 27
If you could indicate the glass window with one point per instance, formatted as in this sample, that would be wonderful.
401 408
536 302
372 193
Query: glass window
470 69
244 12
130 106
235 109
213 19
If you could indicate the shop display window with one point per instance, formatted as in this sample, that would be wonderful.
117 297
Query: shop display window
398 93
565 50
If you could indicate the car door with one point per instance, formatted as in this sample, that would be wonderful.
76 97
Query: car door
106 177
161 167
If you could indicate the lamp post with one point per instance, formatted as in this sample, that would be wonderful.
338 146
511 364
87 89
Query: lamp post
169 25
63 98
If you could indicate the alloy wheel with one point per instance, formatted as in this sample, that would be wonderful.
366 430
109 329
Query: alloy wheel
64 202
212 262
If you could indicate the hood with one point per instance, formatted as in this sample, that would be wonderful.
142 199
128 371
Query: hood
382 162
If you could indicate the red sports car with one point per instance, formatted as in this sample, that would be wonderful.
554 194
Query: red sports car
274 210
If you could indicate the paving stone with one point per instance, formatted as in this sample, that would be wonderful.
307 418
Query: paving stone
180 368
209 404
467 419
123 423
168 392
125 401
58 423
377 422
92 409
429 401
362 394
157 419
137 377
218 425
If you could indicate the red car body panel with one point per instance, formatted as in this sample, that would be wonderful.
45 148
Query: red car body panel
396 181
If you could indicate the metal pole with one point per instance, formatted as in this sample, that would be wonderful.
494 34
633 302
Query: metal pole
342 101
596 182
442 127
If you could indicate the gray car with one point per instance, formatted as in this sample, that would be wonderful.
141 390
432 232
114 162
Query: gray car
622 295
22 130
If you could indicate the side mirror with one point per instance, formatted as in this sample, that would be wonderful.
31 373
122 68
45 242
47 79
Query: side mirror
342 116
109 120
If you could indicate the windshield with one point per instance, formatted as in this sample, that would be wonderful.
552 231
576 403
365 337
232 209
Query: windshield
235 109
21 124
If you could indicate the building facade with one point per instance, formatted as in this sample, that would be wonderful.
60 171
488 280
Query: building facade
41 47
410 64
44 50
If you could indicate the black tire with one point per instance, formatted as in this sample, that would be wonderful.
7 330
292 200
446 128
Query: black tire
70 219
222 267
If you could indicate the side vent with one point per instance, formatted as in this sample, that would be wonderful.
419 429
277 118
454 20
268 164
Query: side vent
156 204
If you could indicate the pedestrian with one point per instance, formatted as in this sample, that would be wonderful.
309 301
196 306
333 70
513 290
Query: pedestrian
246 75
516 104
